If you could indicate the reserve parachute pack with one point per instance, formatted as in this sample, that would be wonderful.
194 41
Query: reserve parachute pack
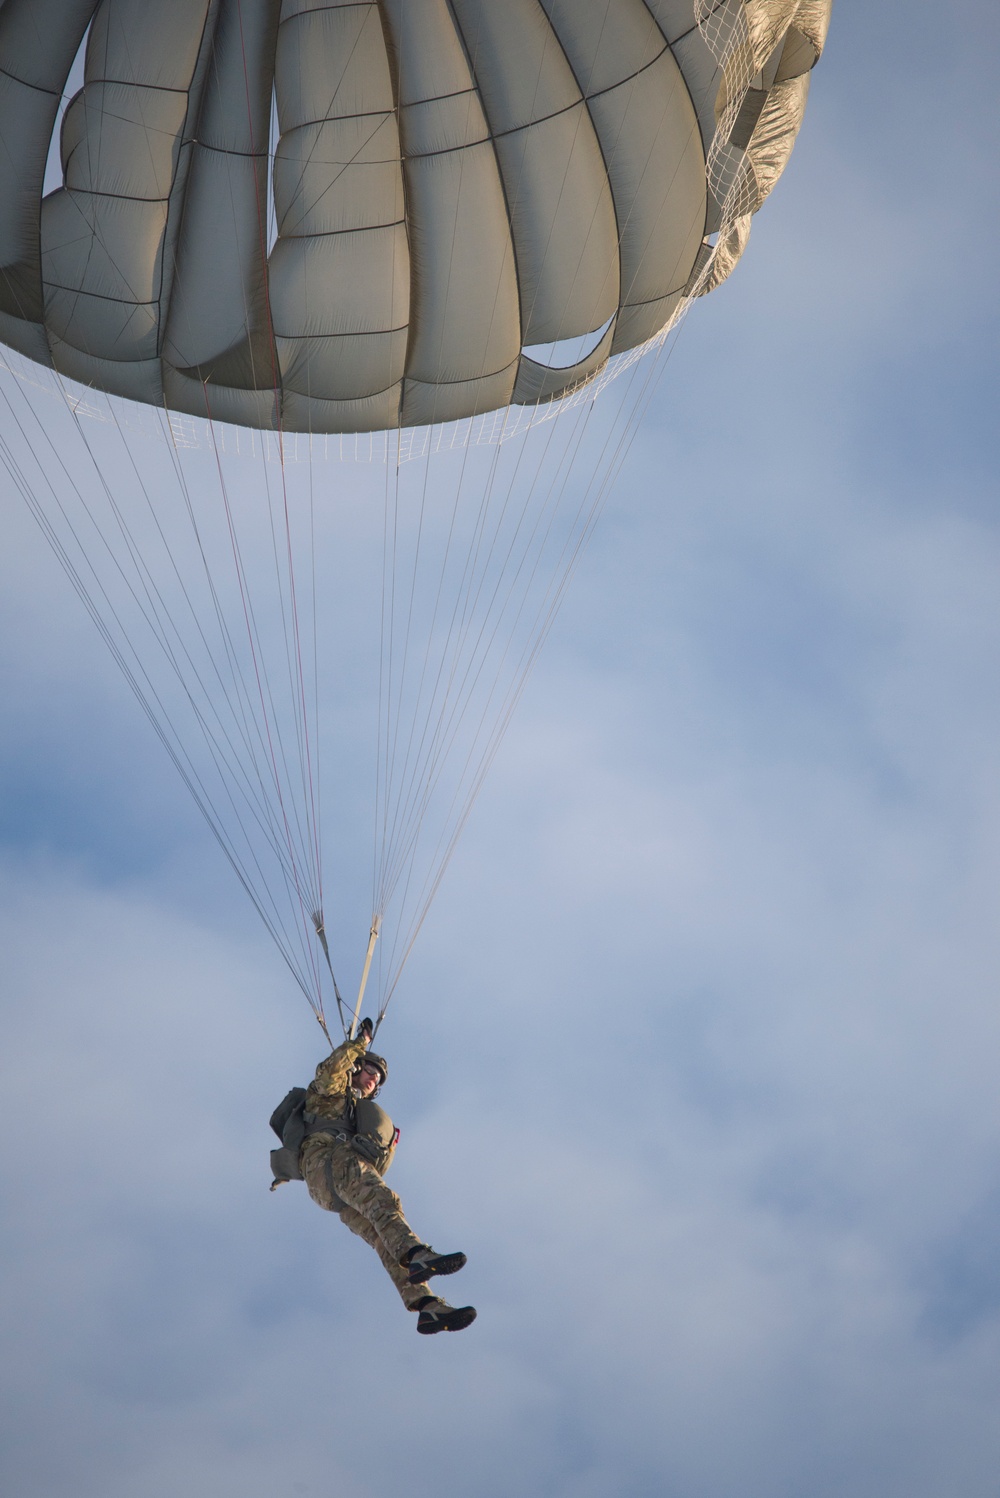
367 1128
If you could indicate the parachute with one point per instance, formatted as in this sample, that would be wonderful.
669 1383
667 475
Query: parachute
324 326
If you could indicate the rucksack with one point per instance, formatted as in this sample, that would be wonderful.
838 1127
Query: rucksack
289 1123
372 1134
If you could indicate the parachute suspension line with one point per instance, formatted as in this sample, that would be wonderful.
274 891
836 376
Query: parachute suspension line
386 631
152 619
232 766
411 813
385 669
277 847
161 718
247 725
296 870
484 543
410 772
135 553
543 626
396 718
411 806
481 755
146 695
305 811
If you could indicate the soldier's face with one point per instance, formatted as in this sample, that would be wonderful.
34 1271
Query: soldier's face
366 1079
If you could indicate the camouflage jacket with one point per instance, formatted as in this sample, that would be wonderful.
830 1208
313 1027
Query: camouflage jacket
329 1094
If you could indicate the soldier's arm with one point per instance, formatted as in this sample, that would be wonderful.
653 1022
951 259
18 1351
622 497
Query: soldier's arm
333 1074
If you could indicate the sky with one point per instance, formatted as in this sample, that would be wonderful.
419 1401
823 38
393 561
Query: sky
697 1055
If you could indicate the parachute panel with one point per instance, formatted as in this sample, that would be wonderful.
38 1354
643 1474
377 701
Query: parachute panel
332 369
563 225
334 176
137 380
640 321
123 140
428 403
218 300
364 274
220 402
39 40
522 72
373 413
606 42
28 338
540 382
331 63
210 314
133 42
427 55
26 119
105 304
702 76
463 262
432 126
649 133
558 198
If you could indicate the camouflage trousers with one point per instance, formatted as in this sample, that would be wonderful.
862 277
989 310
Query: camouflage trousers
340 1181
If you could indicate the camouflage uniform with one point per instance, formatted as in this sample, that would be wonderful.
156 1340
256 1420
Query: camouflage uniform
340 1181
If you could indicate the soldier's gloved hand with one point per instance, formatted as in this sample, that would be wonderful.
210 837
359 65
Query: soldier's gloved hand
366 1030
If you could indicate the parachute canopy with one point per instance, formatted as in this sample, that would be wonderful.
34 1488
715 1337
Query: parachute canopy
440 223
355 215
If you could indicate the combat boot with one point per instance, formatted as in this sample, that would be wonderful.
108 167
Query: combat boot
438 1316
422 1262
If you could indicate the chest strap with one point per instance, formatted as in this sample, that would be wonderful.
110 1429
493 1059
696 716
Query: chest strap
337 1128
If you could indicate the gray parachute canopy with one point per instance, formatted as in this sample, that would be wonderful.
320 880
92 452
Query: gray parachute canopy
347 215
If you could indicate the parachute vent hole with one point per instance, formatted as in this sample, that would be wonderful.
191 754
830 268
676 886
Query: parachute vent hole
565 352
74 83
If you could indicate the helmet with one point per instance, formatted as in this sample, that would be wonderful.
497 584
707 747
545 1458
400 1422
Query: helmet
378 1062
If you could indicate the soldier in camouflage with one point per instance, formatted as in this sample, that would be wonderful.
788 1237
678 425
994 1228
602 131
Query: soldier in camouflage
343 1167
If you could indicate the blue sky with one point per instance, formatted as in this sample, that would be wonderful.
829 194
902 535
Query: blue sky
697 1056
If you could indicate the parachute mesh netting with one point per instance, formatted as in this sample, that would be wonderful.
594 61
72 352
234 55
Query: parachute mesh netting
245 244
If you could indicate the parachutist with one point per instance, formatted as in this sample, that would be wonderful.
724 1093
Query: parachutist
340 1142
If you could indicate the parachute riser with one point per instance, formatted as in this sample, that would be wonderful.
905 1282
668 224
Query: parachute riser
372 939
